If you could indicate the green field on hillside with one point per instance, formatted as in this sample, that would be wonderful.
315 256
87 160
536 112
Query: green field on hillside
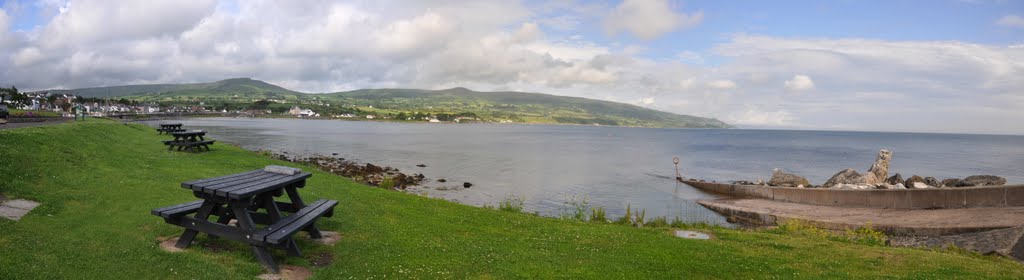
402 104
98 180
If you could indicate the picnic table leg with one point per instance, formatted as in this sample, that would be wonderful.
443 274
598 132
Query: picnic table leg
245 222
190 234
275 215
223 217
293 194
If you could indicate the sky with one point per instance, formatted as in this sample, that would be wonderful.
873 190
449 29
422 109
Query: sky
918 66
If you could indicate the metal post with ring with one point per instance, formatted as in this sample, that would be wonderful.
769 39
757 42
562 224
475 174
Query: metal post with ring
675 160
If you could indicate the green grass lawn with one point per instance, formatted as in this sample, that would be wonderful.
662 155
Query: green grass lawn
39 113
98 180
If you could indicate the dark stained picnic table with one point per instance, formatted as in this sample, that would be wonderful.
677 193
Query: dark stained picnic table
169 127
240 197
191 141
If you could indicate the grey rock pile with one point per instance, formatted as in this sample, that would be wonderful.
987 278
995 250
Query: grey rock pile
877 177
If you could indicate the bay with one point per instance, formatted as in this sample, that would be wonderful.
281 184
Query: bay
552 167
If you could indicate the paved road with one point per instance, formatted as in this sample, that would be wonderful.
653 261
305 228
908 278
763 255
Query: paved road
30 124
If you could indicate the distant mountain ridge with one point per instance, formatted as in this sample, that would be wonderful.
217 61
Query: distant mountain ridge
224 86
490 106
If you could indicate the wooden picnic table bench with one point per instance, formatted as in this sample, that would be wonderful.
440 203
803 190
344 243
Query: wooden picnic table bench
240 197
169 127
191 141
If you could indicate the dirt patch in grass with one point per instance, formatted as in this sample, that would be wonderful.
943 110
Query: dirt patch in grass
328 237
288 272
321 259
168 245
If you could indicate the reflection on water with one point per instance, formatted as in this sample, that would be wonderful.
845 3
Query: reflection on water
614 166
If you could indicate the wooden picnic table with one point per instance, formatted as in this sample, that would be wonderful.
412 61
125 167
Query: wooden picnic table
191 141
169 128
240 197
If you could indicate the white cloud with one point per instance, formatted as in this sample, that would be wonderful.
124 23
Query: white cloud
1013 21
799 83
722 84
648 19
687 83
502 45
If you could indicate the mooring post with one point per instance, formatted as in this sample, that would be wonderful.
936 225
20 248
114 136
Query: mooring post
675 160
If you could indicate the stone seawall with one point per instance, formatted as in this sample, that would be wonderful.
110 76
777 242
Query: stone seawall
939 198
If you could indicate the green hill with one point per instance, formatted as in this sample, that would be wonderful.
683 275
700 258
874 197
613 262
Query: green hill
223 87
406 104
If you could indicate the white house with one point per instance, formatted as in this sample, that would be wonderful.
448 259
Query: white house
299 112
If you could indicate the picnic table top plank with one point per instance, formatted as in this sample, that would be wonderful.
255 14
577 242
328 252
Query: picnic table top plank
170 124
222 191
189 133
253 190
245 184
206 181
242 181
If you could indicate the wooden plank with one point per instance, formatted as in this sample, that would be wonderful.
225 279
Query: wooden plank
240 181
234 181
224 191
160 211
256 189
284 233
285 228
189 184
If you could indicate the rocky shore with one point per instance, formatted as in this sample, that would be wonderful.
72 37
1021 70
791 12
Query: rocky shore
368 173
877 177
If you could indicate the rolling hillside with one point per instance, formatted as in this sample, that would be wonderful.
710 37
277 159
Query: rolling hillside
403 104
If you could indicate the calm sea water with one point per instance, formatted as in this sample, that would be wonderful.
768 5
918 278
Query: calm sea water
613 167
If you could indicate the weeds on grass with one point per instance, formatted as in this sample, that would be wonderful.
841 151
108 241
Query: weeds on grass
598 215
575 208
638 219
864 235
626 219
659 222
514 205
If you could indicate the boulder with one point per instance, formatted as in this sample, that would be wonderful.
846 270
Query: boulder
913 179
982 180
920 185
899 186
951 183
847 176
880 169
931 181
780 178
894 179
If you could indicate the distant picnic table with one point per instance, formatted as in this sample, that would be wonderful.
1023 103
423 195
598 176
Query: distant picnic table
191 141
169 128
240 197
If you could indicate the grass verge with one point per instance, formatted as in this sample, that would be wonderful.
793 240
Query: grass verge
97 181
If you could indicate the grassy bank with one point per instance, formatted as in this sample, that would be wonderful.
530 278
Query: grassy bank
98 180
